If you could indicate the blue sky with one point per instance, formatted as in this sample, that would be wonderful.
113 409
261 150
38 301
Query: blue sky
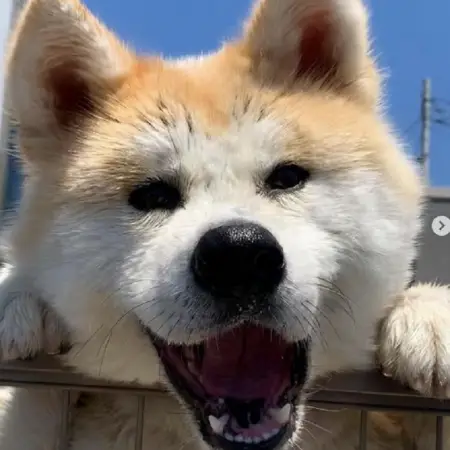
412 38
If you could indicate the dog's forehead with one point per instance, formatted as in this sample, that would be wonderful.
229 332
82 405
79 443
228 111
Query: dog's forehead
170 117
203 118
125 155
181 107
248 141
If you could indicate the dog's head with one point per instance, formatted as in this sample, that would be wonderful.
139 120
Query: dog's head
238 219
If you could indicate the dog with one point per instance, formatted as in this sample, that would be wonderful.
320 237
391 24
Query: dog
232 226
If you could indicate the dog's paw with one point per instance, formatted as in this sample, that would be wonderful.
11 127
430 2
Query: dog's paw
414 340
27 326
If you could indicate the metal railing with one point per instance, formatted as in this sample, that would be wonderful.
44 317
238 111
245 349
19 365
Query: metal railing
365 391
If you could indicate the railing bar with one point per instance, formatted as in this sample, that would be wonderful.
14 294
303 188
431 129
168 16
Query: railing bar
63 436
350 404
434 408
439 433
139 436
363 431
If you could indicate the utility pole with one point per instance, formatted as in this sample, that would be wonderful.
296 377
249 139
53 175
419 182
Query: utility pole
6 12
424 157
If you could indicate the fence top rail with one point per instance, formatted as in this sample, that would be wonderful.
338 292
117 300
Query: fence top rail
369 390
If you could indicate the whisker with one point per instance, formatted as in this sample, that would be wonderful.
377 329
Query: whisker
110 333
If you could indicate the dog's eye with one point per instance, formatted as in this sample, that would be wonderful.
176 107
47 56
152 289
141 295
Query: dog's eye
287 176
155 195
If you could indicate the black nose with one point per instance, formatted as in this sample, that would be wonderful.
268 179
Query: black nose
238 259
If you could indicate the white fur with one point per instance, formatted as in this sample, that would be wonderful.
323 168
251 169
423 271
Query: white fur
26 325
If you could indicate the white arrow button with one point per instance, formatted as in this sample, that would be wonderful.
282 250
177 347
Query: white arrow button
441 226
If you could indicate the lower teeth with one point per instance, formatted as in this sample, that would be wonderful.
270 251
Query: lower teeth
279 415
251 440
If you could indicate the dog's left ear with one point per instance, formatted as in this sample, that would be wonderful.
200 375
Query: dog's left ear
312 41
63 65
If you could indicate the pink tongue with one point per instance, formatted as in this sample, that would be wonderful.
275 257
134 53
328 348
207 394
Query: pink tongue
246 363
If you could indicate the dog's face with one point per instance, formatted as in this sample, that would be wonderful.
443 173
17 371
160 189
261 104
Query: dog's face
239 219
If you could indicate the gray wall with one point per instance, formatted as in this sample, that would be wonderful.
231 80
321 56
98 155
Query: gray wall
434 256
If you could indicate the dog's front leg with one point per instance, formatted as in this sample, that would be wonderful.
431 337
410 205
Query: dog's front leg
414 339
29 418
414 348
27 325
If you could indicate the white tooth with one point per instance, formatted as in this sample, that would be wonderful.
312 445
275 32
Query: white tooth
229 437
266 436
248 440
239 438
256 440
281 415
218 424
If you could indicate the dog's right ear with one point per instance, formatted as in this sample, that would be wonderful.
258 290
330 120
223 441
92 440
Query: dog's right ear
322 42
63 64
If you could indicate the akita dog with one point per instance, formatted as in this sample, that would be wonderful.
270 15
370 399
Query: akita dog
233 226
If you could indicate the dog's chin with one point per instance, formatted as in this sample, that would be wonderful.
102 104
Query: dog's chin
242 385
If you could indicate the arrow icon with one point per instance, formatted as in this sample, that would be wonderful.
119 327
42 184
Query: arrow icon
441 226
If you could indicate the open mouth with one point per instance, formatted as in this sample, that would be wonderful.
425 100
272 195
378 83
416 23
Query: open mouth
242 385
